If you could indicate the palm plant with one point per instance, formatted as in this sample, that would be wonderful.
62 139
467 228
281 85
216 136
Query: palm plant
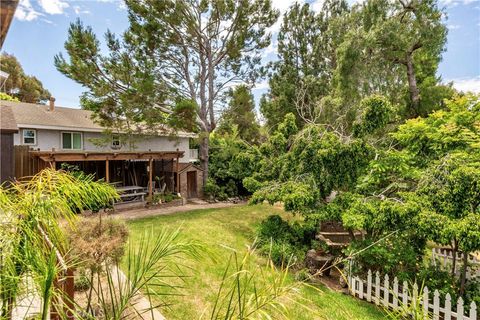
150 269
31 239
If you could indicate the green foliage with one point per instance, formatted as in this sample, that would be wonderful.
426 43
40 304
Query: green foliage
376 114
239 118
434 277
231 160
164 198
284 242
183 116
31 210
18 85
452 189
397 256
444 131
299 76
82 282
95 203
6 97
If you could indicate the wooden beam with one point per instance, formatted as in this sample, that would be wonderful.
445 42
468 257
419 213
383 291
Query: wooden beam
150 178
178 176
107 171
102 156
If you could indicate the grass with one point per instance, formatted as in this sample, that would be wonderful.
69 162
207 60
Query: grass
234 227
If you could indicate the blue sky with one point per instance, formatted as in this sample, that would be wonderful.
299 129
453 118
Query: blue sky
39 31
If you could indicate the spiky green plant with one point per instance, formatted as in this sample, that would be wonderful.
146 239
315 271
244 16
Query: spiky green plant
31 239
151 266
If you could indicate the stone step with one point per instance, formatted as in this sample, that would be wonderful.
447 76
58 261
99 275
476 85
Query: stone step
330 243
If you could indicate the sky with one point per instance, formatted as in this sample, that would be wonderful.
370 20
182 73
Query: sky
39 30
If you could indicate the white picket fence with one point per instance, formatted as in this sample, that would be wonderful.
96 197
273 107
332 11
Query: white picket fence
383 294
443 258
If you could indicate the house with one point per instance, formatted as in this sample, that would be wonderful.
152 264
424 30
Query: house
49 135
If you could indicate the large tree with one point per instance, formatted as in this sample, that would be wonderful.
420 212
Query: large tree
306 50
239 117
19 85
181 50
394 48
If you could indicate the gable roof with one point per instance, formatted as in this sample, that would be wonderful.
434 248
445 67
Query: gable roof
185 166
39 116
7 120
29 115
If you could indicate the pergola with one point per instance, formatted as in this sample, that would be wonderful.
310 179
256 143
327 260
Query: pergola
52 157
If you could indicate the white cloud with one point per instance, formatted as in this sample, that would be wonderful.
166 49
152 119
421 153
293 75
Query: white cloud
26 12
454 3
467 84
453 26
78 10
261 85
53 6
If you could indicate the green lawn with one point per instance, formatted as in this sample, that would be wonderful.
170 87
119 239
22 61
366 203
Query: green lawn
234 227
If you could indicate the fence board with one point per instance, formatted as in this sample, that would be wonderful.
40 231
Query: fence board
363 290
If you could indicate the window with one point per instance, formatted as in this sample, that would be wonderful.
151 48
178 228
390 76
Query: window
71 140
29 136
116 142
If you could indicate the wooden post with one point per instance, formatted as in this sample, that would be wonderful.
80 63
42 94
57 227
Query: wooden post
107 171
178 176
69 304
150 175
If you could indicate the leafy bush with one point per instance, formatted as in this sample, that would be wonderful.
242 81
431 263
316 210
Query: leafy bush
394 256
436 279
216 192
164 198
274 228
82 281
284 241
282 253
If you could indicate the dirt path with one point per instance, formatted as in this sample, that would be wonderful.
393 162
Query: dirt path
152 212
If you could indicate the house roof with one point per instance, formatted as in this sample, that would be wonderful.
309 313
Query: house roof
185 166
7 120
29 115
39 116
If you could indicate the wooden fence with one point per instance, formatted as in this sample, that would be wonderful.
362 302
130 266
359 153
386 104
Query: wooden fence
25 164
394 297
443 258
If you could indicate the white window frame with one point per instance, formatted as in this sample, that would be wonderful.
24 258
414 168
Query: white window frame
116 137
34 137
71 137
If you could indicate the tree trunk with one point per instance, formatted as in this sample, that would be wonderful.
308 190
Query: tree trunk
463 279
204 148
454 260
412 86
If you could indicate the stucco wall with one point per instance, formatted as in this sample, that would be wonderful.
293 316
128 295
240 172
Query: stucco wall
48 139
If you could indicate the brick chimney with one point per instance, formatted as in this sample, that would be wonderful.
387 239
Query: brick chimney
52 104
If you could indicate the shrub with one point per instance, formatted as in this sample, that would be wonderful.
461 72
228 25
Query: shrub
82 281
282 253
285 242
276 229
395 256
214 191
436 279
